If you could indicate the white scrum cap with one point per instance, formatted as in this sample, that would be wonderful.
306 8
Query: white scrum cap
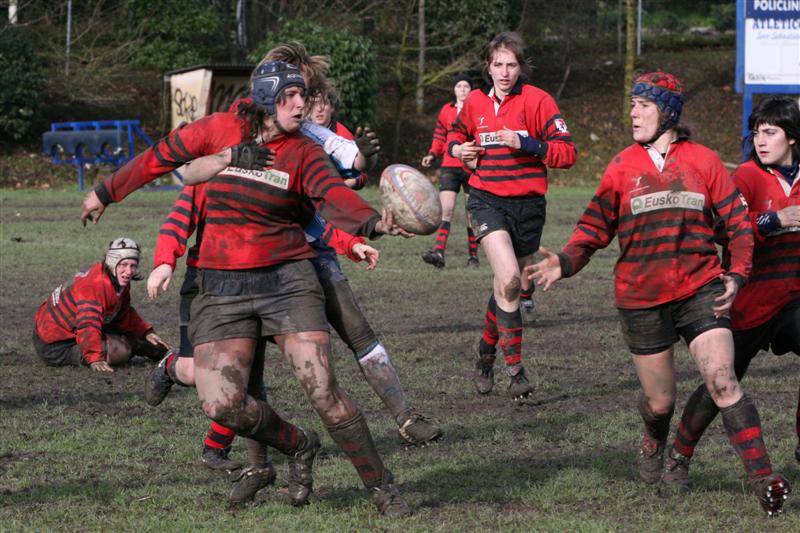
119 249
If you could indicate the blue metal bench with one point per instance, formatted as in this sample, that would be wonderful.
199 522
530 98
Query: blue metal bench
96 141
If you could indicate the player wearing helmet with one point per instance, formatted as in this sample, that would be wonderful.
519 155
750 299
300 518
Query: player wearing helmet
660 197
89 320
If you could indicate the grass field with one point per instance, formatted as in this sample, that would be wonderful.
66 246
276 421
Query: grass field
83 452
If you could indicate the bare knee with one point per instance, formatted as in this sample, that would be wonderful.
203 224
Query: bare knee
724 388
229 412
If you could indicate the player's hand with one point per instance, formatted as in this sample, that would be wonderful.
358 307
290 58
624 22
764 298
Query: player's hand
427 161
92 208
508 138
251 156
725 301
159 277
545 272
155 340
350 182
367 253
367 141
469 151
102 366
789 216
387 226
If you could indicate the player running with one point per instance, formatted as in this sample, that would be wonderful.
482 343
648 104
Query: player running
766 312
452 178
660 197
255 280
513 131
90 321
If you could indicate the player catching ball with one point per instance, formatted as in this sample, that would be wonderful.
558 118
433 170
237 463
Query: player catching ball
660 197
512 132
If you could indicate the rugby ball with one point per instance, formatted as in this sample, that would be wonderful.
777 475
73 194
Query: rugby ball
411 198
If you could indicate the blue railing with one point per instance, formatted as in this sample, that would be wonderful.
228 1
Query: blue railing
95 141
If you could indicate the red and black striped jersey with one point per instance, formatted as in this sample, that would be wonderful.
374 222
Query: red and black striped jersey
775 279
79 309
188 215
447 115
665 224
255 214
530 112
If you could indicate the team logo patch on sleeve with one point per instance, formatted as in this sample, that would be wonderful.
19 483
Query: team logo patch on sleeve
561 125
667 200
270 176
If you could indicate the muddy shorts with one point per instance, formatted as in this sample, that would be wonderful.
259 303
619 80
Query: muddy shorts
780 335
63 353
248 304
653 330
522 217
454 179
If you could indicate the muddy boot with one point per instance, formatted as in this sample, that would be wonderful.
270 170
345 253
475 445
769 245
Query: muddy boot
676 472
418 430
519 387
387 498
246 482
217 458
772 490
301 477
484 373
157 384
650 462
434 257
473 262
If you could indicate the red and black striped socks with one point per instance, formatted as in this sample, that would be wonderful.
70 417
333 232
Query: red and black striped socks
472 242
219 437
441 236
489 339
354 439
274 431
509 330
698 414
656 425
743 427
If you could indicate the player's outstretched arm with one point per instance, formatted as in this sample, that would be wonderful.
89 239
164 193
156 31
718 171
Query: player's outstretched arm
368 145
547 271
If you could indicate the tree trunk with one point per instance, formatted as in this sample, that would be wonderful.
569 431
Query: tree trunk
619 31
630 56
420 99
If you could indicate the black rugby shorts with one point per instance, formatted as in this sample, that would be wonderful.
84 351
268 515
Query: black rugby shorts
522 217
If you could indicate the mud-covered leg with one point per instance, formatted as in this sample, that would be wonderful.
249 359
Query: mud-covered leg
308 353
346 317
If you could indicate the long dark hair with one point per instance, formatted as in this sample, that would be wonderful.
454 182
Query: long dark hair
775 110
252 116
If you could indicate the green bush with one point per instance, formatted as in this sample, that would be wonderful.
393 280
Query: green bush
724 16
353 65
22 84
176 33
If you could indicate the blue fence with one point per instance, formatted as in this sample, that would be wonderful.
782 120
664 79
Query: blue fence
96 141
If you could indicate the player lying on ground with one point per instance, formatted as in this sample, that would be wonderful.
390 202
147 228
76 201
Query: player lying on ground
660 197
514 131
453 176
90 321
766 312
